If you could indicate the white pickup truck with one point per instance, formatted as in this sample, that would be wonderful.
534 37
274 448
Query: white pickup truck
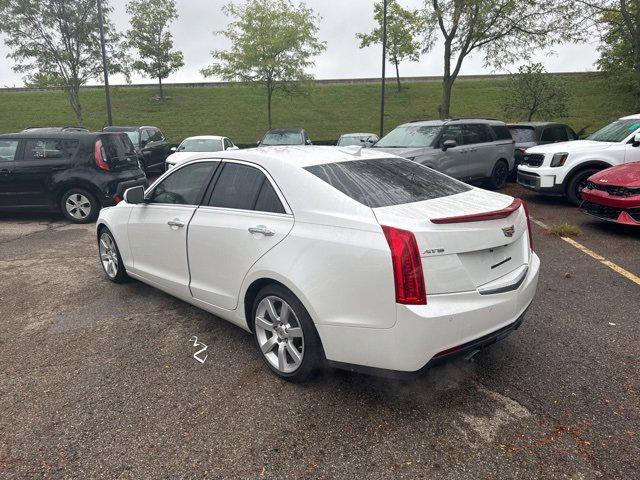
563 168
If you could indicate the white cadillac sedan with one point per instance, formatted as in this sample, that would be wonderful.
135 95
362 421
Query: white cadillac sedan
350 257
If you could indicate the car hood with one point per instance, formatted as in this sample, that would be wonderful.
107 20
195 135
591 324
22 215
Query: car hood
575 146
178 157
627 175
405 152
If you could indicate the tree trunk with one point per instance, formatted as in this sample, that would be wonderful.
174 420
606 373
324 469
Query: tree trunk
447 82
269 95
397 74
73 93
530 116
161 91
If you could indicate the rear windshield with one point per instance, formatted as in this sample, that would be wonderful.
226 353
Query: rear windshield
283 138
119 149
523 134
347 141
200 145
383 182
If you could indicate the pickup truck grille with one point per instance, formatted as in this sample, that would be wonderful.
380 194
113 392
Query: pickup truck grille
533 159
614 190
601 211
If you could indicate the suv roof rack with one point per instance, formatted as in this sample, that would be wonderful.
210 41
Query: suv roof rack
62 129
473 118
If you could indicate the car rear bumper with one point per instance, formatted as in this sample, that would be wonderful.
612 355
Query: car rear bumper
449 325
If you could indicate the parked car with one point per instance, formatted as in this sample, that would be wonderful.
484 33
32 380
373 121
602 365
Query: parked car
151 144
531 134
365 260
55 129
199 144
563 168
285 136
469 149
614 194
71 171
359 139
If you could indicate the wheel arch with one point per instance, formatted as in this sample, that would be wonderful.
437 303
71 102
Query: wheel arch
76 183
597 164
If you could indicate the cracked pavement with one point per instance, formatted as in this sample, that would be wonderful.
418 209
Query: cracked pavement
98 380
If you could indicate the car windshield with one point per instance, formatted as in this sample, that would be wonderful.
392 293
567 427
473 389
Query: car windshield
346 141
410 136
200 145
282 138
616 131
523 134
133 136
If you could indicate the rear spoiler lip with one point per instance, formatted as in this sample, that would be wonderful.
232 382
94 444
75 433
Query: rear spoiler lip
479 217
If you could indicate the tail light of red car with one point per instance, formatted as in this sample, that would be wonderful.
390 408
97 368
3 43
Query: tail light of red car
407 266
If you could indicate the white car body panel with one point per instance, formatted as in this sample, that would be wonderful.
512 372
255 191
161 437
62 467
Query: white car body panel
330 251
181 156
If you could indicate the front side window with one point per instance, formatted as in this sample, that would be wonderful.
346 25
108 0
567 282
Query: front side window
134 137
410 136
616 131
245 188
50 149
383 182
554 134
451 132
200 145
227 144
8 150
156 135
185 185
144 136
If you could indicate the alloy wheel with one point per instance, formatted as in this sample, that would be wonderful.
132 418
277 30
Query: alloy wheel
108 255
279 334
78 206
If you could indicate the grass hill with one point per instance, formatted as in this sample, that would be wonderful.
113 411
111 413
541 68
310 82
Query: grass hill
326 110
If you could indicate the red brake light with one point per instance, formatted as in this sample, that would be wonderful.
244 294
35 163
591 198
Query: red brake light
526 211
407 266
98 153
117 199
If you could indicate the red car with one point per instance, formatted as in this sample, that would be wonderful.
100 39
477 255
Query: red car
614 194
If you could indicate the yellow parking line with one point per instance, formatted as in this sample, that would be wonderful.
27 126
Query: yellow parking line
616 268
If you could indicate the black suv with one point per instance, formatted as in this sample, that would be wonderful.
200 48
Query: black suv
150 143
66 169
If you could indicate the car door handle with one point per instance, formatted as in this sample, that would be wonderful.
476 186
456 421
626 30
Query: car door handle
263 230
176 222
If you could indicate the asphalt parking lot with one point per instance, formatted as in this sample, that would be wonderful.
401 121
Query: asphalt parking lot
98 380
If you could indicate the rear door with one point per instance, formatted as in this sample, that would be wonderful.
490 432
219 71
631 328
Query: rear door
243 218
9 153
157 229
33 173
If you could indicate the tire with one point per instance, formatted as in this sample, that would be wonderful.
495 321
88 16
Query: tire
576 183
110 258
499 175
79 206
278 343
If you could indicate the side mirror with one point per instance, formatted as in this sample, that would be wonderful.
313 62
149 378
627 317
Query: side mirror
258 142
636 140
308 142
233 148
173 149
447 144
134 195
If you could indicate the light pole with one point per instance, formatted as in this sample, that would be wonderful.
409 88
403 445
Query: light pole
384 61
104 64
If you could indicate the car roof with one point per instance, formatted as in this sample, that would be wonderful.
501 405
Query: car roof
535 124
50 133
287 130
358 134
205 137
631 117
448 121
124 128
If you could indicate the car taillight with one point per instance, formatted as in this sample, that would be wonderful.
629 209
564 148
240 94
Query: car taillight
98 153
117 199
526 211
407 266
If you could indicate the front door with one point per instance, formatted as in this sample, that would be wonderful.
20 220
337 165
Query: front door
243 218
452 161
8 187
158 228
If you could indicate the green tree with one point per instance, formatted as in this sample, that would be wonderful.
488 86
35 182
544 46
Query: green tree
273 42
535 93
149 35
503 30
404 29
58 41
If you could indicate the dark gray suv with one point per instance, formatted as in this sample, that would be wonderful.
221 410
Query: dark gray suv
469 149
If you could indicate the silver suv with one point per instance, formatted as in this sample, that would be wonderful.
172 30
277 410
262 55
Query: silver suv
469 149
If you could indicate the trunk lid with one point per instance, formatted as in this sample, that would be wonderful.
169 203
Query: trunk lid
464 253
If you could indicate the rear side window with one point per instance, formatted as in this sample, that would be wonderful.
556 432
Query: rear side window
523 134
50 149
475 133
245 188
8 150
554 134
501 132
383 182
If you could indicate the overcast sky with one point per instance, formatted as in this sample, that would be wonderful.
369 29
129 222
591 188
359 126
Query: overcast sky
341 20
